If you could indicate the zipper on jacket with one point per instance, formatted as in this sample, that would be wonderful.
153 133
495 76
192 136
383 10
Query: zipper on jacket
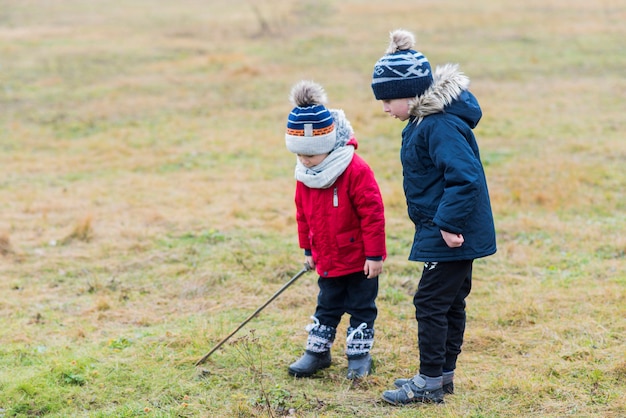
335 198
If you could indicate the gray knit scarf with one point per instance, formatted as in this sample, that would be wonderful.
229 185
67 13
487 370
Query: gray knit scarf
323 175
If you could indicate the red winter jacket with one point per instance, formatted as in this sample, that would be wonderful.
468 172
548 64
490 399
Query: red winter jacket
343 224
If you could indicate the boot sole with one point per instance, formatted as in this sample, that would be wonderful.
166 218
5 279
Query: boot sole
413 400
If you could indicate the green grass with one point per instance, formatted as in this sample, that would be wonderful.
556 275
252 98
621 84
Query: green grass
146 202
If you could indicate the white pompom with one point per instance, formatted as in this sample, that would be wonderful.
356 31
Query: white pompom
400 40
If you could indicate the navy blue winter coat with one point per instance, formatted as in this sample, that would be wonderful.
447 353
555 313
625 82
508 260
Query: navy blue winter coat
444 180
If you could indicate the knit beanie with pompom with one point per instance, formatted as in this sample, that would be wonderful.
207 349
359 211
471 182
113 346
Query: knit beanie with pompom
402 72
310 126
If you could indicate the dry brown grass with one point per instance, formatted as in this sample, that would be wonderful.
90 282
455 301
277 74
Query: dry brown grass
148 141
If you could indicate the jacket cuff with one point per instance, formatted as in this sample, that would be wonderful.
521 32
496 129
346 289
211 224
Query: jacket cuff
308 252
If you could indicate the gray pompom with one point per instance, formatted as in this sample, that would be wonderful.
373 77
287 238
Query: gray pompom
342 126
307 93
400 40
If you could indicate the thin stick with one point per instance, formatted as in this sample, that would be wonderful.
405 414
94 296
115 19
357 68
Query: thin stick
281 290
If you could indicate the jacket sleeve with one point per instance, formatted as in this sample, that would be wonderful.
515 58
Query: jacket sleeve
303 225
453 156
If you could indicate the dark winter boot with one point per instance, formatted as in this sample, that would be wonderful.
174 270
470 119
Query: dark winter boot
420 388
358 345
447 380
317 354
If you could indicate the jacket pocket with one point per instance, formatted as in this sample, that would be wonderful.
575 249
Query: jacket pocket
345 239
420 218
350 250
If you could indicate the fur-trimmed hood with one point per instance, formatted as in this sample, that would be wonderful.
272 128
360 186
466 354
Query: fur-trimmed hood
448 92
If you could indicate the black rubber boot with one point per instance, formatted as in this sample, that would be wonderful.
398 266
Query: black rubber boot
310 363
358 345
359 367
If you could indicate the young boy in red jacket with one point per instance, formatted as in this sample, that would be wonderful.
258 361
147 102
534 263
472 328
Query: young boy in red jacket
341 227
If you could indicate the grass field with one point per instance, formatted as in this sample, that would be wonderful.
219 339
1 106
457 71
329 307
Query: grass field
146 206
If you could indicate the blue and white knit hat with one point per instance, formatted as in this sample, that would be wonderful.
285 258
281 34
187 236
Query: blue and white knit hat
402 72
310 126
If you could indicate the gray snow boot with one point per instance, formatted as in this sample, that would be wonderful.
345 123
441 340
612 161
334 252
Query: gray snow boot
447 380
420 388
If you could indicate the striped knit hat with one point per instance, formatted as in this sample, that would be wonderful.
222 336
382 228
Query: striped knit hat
310 126
401 72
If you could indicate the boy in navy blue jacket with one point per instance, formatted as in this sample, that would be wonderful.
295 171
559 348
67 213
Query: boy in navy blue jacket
448 201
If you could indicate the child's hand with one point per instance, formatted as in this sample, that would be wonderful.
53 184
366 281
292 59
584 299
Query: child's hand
308 259
452 240
373 268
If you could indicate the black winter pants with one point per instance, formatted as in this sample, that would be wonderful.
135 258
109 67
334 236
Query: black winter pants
440 313
354 294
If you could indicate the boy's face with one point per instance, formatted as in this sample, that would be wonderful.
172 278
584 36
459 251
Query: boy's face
398 108
311 160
